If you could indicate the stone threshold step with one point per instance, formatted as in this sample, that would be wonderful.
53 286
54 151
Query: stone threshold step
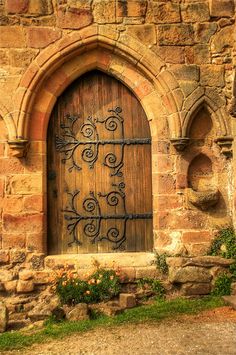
230 300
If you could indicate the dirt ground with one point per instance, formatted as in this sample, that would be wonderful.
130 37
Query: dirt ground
208 333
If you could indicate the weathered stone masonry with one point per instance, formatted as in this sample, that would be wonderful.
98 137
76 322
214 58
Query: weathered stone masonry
177 57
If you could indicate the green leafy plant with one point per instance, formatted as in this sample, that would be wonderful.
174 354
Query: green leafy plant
161 263
102 285
222 286
154 285
224 244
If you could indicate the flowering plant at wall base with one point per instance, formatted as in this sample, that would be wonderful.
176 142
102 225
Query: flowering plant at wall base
102 285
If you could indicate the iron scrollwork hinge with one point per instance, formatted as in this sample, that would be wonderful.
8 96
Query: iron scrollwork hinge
93 217
68 143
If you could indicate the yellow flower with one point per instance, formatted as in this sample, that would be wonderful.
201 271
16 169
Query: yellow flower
98 281
87 292
111 277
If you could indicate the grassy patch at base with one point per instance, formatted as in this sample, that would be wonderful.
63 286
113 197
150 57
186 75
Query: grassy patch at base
155 312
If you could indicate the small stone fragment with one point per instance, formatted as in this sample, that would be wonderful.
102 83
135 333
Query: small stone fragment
127 300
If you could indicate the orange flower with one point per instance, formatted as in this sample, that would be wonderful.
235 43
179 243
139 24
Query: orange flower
87 292
111 277
98 281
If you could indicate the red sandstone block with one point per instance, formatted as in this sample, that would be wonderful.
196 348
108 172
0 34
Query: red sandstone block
76 19
24 286
42 37
57 83
12 204
11 166
10 240
36 242
4 256
24 222
34 203
197 237
16 6
166 184
12 37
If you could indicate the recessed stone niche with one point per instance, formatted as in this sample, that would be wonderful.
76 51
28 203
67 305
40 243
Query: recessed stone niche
202 190
201 126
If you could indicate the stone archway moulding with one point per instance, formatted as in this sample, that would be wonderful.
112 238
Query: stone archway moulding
113 52
118 54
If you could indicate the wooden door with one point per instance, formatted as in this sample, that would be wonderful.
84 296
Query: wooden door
99 170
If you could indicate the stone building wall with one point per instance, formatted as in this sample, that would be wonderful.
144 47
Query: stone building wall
177 57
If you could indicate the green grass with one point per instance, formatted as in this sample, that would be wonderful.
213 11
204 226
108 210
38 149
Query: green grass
158 311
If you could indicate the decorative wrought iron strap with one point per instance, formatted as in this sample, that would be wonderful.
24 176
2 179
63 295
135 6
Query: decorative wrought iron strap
68 144
93 217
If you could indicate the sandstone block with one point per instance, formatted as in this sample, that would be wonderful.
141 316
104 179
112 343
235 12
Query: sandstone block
24 286
22 57
13 240
201 54
195 12
186 72
27 184
17 256
11 166
4 257
133 8
192 289
25 275
76 19
3 317
189 274
16 7
41 311
166 12
145 33
34 203
12 37
78 312
223 39
40 37
166 183
197 237
212 75
41 277
23 223
35 242
6 275
127 300
178 34
204 31
220 8
149 271
40 7
12 204
36 260
104 11
2 186
166 53
10 286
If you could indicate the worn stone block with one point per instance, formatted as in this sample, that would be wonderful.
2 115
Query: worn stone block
104 11
13 240
33 203
219 8
195 12
76 19
204 31
25 184
6 275
24 286
39 37
191 289
17 256
24 222
16 7
4 256
12 37
189 274
178 34
202 54
223 39
212 75
127 300
25 275
40 7
77 313
186 72
145 33
132 8
10 286
166 12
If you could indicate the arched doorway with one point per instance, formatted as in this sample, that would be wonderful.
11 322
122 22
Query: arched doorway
99 170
